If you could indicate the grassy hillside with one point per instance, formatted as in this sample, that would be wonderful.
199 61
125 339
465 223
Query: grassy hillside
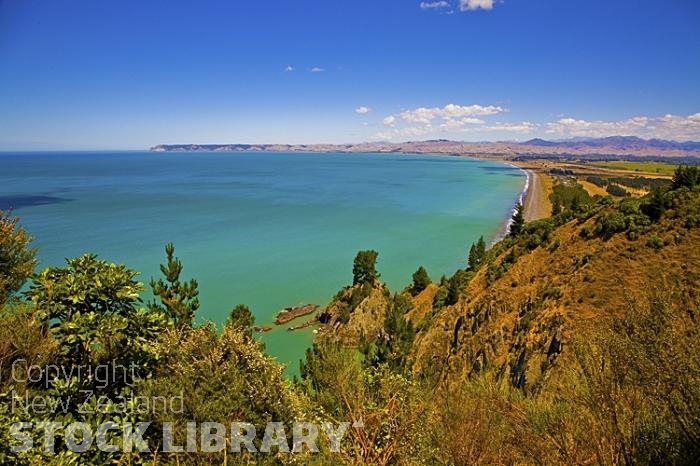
576 341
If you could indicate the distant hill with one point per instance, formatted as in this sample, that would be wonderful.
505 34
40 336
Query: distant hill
600 148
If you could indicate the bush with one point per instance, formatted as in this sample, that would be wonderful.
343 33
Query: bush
686 176
611 223
655 242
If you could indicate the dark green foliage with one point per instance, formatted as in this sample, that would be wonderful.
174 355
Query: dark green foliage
477 252
177 299
639 182
610 224
536 233
616 190
456 286
556 208
394 343
636 182
440 298
241 319
85 286
655 242
92 309
359 294
17 260
596 180
570 196
655 205
364 267
517 221
222 378
421 280
686 176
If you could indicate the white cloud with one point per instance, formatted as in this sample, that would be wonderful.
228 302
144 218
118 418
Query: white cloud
363 110
434 5
316 69
288 68
470 5
524 127
451 118
426 115
676 127
390 120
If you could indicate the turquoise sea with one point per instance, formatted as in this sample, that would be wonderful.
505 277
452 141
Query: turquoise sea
266 229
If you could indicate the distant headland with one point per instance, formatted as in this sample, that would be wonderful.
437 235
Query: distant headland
600 148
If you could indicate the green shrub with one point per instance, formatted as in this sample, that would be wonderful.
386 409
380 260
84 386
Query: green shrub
655 242
610 224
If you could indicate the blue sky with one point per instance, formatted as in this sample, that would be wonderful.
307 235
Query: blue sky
131 74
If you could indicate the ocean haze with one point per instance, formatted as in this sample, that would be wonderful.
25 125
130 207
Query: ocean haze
266 229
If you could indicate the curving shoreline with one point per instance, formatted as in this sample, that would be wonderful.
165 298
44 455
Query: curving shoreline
535 197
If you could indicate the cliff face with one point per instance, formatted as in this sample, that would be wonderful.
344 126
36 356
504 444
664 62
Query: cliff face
560 281
357 312
521 323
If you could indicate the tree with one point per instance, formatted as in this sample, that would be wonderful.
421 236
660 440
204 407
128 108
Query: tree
656 204
686 176
518 220
92 309
394 343
85 286
178 300
241 318
476 254
17 260
456 285
364 267
421 280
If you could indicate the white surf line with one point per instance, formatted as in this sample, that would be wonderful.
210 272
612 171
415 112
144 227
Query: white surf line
521 200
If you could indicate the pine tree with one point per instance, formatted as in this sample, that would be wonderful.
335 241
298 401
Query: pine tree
178 300
481 249
242 319
476 254
421 280
363 269
686 176
516 227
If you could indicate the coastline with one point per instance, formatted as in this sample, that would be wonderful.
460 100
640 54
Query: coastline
535 198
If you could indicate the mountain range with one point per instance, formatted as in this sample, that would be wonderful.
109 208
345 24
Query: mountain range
594 148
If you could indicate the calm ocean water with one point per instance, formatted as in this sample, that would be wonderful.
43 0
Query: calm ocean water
265 229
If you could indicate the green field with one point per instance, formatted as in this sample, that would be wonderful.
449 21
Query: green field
661 168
